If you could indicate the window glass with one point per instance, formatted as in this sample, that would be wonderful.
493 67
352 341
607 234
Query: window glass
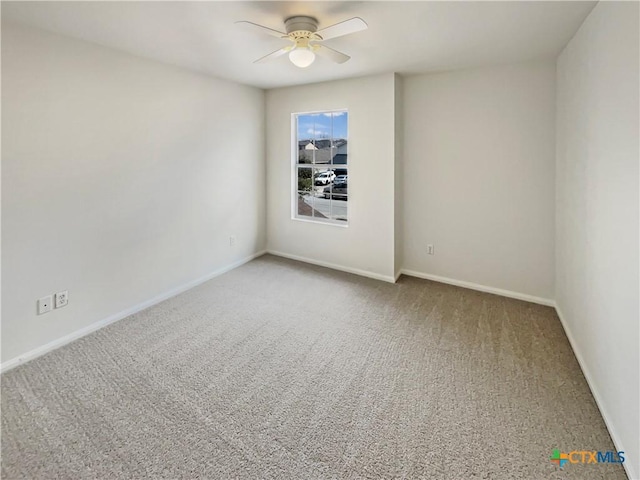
321 186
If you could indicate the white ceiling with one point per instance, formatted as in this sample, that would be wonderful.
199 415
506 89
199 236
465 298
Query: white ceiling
404 37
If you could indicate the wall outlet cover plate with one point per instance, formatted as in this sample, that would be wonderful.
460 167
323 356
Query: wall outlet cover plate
62 298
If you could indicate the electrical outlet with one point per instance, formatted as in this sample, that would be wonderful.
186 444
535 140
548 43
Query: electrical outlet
45 304
232 241
62 298
430 249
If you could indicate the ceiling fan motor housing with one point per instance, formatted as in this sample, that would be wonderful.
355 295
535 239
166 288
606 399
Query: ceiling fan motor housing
301 24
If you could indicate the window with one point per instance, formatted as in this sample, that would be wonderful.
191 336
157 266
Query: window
320 191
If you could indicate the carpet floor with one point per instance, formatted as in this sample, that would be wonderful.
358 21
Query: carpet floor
284 370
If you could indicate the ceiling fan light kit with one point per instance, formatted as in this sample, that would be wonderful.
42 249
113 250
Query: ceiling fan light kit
301 31
302 57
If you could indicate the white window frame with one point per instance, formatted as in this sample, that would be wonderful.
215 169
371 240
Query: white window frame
294 172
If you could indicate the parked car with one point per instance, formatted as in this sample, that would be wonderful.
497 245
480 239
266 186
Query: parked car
325 178
340 179
338 189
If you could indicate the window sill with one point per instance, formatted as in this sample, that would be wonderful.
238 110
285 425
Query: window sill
333 223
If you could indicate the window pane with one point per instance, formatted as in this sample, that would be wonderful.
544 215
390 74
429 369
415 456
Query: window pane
339 137
306 127
322 205
305 180
314 138
306 138
311 204
339 207
304 206
338 195
339 190
323 176
305 151
322 130
322 180
340 175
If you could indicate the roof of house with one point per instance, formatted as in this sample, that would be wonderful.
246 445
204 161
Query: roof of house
323 153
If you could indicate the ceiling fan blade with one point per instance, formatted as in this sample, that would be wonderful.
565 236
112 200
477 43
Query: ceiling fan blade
273 55
353 25
331 54
261 29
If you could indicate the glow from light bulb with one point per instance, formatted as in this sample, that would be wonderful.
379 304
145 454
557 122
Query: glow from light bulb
302 57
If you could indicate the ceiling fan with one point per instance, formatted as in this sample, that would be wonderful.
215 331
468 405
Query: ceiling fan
305 39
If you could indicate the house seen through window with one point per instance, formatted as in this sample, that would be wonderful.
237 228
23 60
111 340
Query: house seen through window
320 166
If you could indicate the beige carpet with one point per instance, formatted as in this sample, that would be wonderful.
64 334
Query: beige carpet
284 370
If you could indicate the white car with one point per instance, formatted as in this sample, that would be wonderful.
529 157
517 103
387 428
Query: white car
325 178
340 179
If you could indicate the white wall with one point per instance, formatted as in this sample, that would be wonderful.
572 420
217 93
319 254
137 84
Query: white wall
479 176
367 244
122 179
597 284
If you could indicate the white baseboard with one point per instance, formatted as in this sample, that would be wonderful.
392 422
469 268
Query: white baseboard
628 466
37 352
482 288
333 266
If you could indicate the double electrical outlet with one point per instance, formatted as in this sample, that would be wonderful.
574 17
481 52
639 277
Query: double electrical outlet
46 304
